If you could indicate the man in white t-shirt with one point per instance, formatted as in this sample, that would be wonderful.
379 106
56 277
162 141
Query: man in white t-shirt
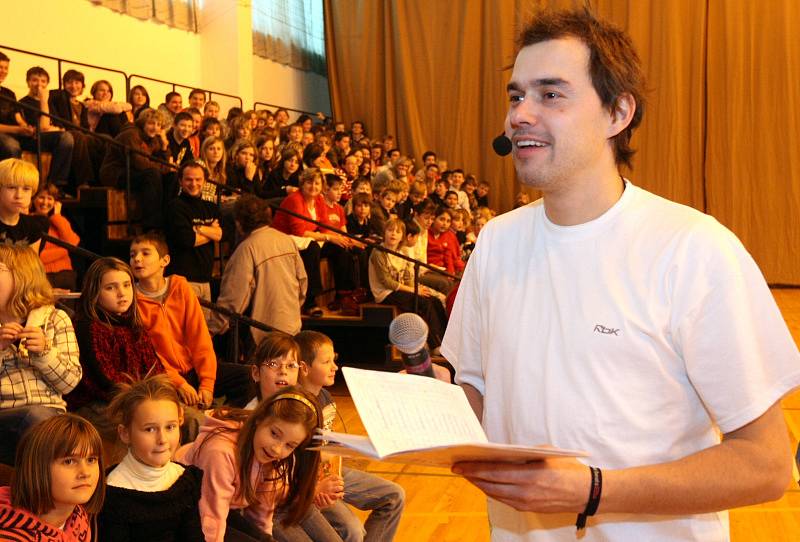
607 319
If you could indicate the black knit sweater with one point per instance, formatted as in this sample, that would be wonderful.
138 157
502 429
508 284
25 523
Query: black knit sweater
172 515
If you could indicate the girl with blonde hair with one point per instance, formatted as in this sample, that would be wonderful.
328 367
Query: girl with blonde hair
38 351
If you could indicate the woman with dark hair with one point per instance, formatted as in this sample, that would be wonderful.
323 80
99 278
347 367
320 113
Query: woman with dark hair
104 114
284 179
139 100
242 169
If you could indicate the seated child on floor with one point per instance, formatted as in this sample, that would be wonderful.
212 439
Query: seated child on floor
254 460
58 483
382 498
148 496
38 350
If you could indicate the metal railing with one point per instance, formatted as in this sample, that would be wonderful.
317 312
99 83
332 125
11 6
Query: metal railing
61 61
127 78
211 93
273 107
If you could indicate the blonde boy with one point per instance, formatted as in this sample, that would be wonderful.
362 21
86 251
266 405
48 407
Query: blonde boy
19 180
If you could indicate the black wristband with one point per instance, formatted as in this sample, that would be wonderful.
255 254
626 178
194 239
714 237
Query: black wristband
594 498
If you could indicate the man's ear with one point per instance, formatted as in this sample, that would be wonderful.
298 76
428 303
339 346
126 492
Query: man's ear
622 115
124 434
165 260
304 369
255 373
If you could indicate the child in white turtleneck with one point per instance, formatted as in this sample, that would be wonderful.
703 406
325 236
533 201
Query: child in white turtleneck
148 496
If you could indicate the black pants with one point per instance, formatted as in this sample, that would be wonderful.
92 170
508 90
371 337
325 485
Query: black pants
430 309
233 381
59 144
238 529
149 186
341 263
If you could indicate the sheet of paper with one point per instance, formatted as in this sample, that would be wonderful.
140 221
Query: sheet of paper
409 412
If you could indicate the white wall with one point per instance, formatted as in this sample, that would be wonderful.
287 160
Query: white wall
299 90
219 57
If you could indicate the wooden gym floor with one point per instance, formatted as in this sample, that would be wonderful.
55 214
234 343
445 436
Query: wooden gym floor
443 507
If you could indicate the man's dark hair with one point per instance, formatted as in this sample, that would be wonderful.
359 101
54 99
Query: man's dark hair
197 91
183 115
457 170
36 70
614 65
171 95
338 136
426 154
4 57
251 212
193 164
302 118
73 75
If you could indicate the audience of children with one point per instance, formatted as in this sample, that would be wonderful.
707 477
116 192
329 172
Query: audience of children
38 349
129 331
148 496
58 484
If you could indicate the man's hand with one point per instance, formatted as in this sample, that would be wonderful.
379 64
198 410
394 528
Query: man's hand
205 398
550 485
188 394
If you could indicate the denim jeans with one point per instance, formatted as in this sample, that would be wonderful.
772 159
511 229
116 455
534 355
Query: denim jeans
312 528
366 491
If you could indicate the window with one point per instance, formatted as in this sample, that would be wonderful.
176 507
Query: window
290 32
175 13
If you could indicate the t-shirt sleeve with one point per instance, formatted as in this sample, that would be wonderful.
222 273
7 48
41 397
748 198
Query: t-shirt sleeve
462 340
738 352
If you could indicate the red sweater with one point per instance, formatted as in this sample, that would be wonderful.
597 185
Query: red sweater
19 525
334 215
444 251
292 225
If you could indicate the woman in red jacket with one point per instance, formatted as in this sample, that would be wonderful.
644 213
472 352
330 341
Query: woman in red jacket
312 243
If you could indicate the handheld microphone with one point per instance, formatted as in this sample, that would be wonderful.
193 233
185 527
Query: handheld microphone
409 333
502 145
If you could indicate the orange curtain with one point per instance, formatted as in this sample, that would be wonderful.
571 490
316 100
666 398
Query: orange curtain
753 137
721 123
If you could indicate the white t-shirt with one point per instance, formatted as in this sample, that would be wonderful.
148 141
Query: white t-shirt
632 337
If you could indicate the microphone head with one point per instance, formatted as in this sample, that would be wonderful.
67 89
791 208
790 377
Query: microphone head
502 145
408 332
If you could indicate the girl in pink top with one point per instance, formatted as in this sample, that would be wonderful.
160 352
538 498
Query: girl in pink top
253 461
